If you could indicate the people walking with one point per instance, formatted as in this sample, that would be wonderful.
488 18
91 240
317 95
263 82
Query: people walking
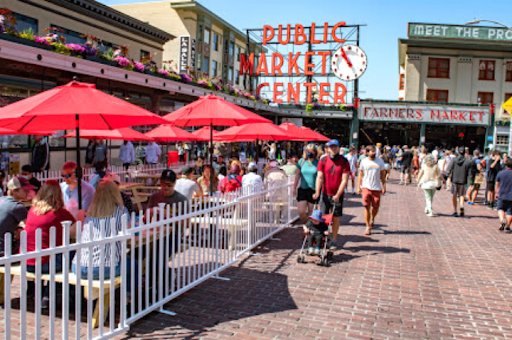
307 167
429 179
407 157
127 154
153 153
492 173
331 181
371 182
504 189
458 174
40 155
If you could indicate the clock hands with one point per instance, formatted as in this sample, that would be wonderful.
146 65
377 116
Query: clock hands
344 55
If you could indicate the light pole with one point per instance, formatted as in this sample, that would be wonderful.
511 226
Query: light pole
475 22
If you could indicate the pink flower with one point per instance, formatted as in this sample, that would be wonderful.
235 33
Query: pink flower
123 61
138 66
42 40
77 48
163 72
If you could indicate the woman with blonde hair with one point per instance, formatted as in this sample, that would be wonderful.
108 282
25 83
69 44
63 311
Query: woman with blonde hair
306 174
429 179
47 211
105 212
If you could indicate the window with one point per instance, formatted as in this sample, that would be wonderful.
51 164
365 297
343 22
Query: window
230 75
24 23
145 56
485 98
215 68
206 37
215 41
206 65
237 53
438 96
486 70
237 77
507 96
502 139
508 71
231 50
438 67
71 37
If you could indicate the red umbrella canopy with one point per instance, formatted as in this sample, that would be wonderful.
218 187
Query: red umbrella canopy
204 133
4 131
214 111
296 132
59 108
314 135
169 133
117 134
251 132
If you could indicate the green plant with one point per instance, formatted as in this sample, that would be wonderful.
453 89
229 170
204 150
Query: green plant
61 48
27 34
108 54
309 107
342 107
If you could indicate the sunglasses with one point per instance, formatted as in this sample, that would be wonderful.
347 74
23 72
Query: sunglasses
66 176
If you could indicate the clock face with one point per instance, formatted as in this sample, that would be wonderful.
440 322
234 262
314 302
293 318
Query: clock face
349 62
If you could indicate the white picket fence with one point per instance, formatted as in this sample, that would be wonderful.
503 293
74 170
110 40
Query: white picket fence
179 248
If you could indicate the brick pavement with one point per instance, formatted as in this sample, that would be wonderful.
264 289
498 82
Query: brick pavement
416 277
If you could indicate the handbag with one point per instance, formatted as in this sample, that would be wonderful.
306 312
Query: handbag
429 185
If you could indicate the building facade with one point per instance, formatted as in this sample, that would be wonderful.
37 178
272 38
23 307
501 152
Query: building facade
206 43
459 64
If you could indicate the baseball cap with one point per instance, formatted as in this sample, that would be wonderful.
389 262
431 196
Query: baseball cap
317 215
168 175
18 182
333 142
252 166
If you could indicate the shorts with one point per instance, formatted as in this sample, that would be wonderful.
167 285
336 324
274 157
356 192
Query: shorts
327 204
371 198
491 186
458 189
352 174
406 169
306 195
471 180
476 186
505 206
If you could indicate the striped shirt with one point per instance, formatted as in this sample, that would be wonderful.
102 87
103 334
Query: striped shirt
112 226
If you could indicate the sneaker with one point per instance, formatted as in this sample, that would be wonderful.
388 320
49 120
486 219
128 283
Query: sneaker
311 250
430 214
316 251
332 245
461 213
426 211
502 226
471 203
455 214
507 229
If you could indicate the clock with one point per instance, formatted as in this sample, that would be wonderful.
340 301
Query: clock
349 62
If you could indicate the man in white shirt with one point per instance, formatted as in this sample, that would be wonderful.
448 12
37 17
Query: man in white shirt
153 153
187 185
127 154
372 183
252 182
352 159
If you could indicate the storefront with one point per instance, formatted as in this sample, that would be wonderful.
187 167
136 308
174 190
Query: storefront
431 124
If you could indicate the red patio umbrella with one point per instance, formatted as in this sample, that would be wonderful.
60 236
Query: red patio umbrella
314 136
77 106
117 134
213 111
204 133
295 131
253 132
4 132
169 133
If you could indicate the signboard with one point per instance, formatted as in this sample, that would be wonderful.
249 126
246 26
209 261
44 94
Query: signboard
184 54
419 30
427 113
193 54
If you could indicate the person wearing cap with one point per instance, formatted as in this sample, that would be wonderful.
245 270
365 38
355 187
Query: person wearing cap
26 171
167 193
290 168
233 180
458 173
187 185
331 181
252 182
315 227
12 210
69 189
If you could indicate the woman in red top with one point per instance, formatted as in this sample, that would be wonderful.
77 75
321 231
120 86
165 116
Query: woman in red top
47 211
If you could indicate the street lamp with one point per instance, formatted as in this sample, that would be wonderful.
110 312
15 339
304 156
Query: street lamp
478 21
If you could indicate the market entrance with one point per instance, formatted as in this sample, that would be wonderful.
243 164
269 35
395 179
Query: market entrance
389 133
450 136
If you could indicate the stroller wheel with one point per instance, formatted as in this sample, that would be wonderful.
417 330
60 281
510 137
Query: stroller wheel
324 262
300 259
330 255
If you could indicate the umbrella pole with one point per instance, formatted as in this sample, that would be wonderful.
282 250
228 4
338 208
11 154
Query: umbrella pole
78 162
212 171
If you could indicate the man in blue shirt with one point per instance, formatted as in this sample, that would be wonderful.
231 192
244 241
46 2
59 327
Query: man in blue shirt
70 191
504 189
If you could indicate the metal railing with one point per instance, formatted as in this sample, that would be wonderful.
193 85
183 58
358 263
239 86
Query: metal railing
143 263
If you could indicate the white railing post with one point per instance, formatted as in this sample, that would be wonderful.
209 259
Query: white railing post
291 180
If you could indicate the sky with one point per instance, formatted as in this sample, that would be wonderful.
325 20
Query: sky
385 20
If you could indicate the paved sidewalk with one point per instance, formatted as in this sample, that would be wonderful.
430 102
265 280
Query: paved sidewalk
415 278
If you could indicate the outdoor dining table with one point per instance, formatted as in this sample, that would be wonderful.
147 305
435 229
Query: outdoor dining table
145 178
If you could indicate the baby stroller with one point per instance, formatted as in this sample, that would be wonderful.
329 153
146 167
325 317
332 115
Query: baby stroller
325 254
